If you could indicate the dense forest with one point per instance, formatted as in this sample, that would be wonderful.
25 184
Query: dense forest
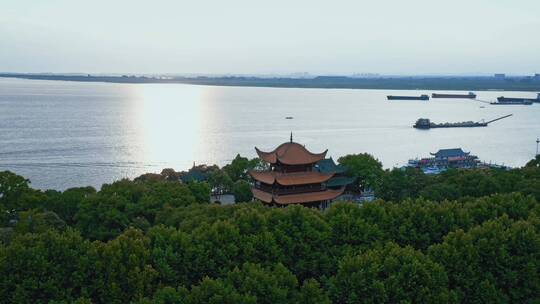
464 236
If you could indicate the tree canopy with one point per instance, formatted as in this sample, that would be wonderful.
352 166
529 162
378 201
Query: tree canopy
465 236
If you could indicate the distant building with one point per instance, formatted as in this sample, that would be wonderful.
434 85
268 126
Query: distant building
445 159
454 158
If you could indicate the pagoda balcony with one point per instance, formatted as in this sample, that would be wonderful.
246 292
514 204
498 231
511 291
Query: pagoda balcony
299 190
290 190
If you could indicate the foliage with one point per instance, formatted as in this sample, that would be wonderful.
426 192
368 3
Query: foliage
463 236
242 191
497 262
220 182
48 266
365 168
390 274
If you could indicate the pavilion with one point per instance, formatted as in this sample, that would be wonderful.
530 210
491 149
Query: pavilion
295 177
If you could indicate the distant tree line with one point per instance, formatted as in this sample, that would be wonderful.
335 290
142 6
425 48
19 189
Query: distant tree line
465 83
465 236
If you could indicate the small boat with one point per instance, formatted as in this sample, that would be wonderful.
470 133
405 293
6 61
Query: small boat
395 97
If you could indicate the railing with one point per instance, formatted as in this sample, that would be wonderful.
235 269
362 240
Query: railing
293 190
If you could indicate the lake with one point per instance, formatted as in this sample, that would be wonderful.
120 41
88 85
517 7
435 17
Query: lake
67 134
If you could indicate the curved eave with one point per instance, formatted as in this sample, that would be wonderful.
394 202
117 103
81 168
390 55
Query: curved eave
307 197
297 198
261 195
291 153
269 157
263 177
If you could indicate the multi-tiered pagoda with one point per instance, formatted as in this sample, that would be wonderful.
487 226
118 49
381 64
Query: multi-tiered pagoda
293 178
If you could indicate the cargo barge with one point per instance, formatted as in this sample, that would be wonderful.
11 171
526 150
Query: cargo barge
421 97
425 123
511 101
518 100
471 95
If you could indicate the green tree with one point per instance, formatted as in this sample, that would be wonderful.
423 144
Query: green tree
238 168
304 239
66 204
497 262
399 184
125 270
268 285
365 168
312 293
242 191
350 230
211 291
51 266
390 274
12 187
172 252
534 163
36 221
102 217
200 190
220 182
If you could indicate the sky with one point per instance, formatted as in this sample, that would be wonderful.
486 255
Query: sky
409 37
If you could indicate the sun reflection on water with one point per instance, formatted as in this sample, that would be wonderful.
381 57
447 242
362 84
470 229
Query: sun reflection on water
170 123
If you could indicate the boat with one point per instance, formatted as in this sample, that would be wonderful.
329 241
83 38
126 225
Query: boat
517 100
395 97
511 101
425 123
470 95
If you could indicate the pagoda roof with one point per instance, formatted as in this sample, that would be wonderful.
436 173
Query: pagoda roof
291 153
297 198
289 179
340 181
444 153
328 165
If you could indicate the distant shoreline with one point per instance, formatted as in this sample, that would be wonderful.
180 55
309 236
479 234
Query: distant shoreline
458 83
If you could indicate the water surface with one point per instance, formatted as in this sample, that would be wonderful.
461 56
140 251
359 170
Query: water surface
67 134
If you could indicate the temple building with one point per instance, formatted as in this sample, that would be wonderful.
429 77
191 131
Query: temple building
455 158
296 176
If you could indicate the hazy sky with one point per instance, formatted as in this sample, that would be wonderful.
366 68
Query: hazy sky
264 37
